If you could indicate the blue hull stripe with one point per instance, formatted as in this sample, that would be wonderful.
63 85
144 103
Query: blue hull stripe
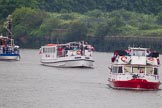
9 55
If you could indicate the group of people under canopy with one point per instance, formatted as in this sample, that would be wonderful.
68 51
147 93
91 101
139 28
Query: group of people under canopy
7 45
147 53
135 52
74 46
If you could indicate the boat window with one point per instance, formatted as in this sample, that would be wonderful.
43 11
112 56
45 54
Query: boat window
138 70
135 70
44 50
115 69
127 69
138 53
149 70
120 70
49 50
53 50
155 71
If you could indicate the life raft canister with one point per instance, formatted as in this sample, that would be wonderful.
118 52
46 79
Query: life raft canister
151 59
78 52
124 59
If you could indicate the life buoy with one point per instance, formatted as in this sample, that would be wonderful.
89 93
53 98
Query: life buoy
124 59
151 59
78 52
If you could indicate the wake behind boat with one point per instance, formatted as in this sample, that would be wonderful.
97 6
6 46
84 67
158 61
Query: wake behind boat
72 54
135 68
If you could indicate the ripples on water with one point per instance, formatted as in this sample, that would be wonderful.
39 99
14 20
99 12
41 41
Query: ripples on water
27 84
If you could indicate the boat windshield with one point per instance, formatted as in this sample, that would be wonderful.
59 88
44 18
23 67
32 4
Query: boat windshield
138 53
127 69
149 70
138 69
49 50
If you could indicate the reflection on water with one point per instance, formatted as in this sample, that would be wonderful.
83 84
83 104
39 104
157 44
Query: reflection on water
28 84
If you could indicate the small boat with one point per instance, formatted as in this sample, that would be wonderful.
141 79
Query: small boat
8 50
135 68
72 54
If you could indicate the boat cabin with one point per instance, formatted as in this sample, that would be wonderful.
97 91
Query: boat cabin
142 52
138 51
128 69
7 45
135 68
66 50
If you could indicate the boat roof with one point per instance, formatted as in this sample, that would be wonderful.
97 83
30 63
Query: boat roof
73 43
66 44
137 48
49 45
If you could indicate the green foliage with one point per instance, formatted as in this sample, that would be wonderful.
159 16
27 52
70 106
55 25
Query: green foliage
9 6
78 31
27 18
159 18
48 21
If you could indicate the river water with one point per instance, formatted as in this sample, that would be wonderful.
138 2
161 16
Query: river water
27 84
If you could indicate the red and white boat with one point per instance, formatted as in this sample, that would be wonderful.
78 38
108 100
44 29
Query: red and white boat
135 68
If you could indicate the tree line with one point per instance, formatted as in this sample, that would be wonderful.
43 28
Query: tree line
37 22
81 6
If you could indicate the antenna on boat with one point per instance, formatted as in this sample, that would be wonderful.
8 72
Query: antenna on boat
129 46
57 41
133 45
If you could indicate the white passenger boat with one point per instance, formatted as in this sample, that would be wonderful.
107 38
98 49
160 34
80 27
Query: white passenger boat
73 54
135 68
8 50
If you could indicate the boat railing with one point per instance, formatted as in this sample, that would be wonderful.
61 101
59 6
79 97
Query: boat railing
65 53
8 50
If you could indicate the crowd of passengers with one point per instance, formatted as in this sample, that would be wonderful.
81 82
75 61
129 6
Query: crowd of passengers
136 53
80 46
6 47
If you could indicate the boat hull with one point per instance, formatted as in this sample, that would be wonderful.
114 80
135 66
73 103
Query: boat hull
9 56
136 84
71 63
